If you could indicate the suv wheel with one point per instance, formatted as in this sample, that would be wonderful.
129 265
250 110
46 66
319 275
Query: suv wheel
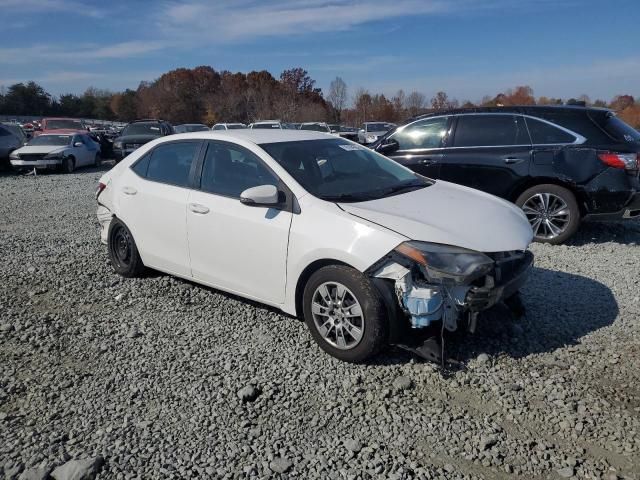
552 211
344 313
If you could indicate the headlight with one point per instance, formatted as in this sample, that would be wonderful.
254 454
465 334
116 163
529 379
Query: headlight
371 138
117 144
445 263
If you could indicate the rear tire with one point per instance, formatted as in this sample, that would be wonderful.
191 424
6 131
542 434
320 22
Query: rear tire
552 211
123 251
345 313
96 160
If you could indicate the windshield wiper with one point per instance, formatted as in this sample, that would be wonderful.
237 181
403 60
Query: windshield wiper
347 197
403 188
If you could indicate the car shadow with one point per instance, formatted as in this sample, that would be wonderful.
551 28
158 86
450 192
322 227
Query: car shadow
561 308
625 232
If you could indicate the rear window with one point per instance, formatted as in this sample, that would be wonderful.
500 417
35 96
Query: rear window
620 130
579 122
545 134
490 131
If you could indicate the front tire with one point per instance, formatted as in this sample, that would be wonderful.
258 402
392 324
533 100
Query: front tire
68 165
123 251
552 211
345 313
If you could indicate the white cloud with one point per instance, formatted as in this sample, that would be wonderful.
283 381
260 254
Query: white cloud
47 6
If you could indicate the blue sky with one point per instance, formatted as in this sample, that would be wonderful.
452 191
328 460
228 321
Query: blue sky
469 48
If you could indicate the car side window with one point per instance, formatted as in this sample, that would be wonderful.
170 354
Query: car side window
218 127
543 133
171 163
230 169
490 131
142 165
427 133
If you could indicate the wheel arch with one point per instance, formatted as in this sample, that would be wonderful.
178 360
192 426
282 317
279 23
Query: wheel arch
534 181
303 278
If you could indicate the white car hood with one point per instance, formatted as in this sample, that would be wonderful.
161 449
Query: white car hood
450 214
40 149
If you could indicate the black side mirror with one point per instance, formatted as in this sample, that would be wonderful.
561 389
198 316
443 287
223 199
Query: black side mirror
388 145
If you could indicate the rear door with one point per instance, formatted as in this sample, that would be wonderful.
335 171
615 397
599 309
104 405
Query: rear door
153 197
419 145
488 151
235 247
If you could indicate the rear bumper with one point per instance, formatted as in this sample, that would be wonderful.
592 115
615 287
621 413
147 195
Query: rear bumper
35 163
104 219
630 210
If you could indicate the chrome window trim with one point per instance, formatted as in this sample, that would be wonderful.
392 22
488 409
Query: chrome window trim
579 139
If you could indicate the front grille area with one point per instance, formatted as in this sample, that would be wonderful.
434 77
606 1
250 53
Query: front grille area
32 156
132 146
509 264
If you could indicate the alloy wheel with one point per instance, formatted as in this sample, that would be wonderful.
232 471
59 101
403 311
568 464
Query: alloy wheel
548 214
337 315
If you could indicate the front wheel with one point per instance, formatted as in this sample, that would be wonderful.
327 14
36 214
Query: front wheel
123 251
552 211
344 313
68 165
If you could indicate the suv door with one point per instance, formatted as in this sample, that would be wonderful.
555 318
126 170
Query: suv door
235 247
488 151
418 145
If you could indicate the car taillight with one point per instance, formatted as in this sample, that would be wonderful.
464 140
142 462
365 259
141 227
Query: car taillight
628 161
101 187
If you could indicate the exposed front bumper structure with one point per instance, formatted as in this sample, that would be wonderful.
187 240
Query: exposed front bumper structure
36 163
421 311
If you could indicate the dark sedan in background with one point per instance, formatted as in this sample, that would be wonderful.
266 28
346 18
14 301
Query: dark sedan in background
560 164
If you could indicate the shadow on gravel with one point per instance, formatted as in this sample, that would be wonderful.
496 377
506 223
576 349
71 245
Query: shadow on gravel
625 232
561 308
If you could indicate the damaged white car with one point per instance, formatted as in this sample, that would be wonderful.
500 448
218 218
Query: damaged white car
366 251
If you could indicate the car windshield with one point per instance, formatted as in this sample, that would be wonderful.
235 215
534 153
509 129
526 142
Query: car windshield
378 127
54 140
142 129
316 127
235 126
64 124
339 170
620 130
266 125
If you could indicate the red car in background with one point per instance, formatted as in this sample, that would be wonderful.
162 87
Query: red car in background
62 125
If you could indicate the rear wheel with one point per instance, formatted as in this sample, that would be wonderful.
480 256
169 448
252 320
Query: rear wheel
96 160
344 313
552 211
123 251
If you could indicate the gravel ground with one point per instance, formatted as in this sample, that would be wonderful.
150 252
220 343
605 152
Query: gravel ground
161 378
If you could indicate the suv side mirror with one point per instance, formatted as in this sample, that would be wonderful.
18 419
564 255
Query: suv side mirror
261 196
388 145
77 144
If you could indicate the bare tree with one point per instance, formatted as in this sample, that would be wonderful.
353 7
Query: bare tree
338 96
414 103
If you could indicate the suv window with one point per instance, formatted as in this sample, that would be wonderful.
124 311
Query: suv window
490 130
218 127
171 162
230 169
577 121
543 133
427 133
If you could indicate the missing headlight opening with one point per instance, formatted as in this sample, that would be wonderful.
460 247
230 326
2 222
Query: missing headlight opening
439 288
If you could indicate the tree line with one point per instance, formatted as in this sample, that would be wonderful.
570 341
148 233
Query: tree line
204 95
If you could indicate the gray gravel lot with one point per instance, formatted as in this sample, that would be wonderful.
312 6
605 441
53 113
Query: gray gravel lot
161 378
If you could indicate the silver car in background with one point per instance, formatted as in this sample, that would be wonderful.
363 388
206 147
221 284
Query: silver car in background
370 132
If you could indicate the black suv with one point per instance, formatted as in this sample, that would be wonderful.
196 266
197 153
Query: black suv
137 133
560 164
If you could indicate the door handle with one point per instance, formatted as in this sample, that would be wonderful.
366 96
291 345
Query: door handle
129 190
197 208
513 160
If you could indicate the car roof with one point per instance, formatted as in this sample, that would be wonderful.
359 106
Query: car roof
255 136
532 109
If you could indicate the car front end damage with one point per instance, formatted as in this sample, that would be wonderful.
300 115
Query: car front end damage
430 289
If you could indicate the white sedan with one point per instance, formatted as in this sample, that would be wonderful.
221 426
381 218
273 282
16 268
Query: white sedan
366 251
57 151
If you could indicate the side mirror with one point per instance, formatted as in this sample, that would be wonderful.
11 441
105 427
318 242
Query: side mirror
77 144
389 145
261 196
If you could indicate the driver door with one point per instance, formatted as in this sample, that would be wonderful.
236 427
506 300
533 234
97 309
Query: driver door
233 246
418 145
